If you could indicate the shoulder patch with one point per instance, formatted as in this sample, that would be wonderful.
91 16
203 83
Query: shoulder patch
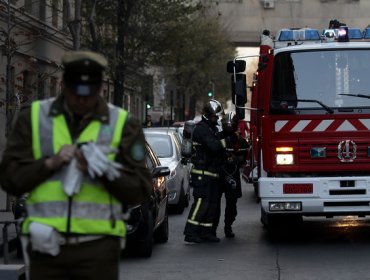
138 151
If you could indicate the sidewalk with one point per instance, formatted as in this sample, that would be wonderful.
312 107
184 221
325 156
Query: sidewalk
6 216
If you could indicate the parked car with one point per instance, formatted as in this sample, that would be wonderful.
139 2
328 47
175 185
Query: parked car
148 221
166 143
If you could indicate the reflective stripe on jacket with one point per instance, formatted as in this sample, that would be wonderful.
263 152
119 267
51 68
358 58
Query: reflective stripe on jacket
93 210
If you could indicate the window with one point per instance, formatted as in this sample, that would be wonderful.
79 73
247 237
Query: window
53 86
12 80
161 144
42 10
149 162
26 83
40 88
28 6
54 13
333 77
65 16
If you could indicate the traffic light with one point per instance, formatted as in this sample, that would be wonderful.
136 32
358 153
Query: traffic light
210 94
148 106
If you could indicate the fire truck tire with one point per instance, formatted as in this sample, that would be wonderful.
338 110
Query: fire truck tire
255 187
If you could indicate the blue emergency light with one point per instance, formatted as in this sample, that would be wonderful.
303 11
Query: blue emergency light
304 34
366 33
354 33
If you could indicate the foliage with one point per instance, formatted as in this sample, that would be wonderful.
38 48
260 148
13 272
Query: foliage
197 55
174 34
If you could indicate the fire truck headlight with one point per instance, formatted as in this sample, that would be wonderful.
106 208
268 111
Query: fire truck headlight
284 159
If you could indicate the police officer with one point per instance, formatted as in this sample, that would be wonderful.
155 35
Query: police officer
205 181
79 158
236 151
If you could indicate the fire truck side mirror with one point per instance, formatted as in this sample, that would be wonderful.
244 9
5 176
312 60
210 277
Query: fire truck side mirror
239 89
239 66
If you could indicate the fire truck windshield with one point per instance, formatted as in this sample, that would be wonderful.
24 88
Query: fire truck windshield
333 78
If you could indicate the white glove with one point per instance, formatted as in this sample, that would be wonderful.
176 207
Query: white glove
72 178
98 162
113 170
44 239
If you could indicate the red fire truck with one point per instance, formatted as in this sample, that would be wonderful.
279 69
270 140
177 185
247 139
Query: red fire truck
310 124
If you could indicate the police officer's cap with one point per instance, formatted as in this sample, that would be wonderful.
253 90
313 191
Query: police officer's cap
83 68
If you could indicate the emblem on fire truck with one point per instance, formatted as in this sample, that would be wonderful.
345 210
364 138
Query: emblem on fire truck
347 150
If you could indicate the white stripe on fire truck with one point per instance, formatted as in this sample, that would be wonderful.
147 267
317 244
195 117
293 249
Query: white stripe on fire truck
346 126
300 126
279 125
342 125
365 122
323 125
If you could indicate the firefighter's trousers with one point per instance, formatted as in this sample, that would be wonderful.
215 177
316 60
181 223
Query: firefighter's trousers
232 193
206 192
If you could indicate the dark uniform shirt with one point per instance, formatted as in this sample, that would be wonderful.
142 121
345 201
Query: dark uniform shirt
20 172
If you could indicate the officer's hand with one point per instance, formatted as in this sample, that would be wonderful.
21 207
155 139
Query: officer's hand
65 155
81 161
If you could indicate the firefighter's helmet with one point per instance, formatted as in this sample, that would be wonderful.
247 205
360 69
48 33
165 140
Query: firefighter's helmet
212 108
230 122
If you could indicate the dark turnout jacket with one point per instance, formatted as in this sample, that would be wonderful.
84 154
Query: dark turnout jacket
209 151
20 172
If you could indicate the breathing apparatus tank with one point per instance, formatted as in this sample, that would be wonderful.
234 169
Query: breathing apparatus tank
187 140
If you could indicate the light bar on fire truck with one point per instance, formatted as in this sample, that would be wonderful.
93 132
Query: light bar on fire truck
292 36
343 34
366 33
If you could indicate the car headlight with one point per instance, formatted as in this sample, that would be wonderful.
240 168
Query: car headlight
159 182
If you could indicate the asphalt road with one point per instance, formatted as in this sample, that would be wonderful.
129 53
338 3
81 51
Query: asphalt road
319 248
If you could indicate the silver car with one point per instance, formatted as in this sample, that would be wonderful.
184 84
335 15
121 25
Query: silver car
166 143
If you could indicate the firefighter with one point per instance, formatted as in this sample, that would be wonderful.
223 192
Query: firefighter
236 151
79 158
205 180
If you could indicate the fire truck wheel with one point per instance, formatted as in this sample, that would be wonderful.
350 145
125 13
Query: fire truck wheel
255 186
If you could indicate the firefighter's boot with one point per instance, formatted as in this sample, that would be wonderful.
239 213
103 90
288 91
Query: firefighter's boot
229 232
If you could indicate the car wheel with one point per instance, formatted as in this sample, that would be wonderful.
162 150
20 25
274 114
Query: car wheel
144 247
179 208
161 233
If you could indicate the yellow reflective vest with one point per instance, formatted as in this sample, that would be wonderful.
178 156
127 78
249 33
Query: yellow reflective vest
93 210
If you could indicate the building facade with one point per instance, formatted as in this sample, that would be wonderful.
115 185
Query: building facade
245 19
33 38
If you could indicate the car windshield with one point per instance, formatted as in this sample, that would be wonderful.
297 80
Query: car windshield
161 144
303 80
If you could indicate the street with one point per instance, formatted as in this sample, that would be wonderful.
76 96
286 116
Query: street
322 249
